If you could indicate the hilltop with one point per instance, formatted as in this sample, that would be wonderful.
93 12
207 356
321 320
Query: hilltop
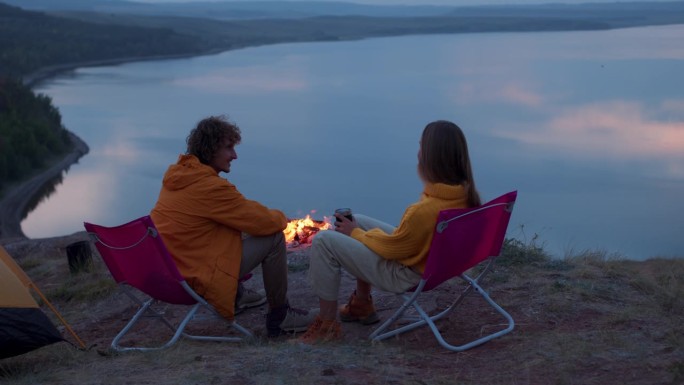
582 320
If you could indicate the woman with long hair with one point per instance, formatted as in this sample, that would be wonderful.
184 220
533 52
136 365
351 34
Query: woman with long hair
387 257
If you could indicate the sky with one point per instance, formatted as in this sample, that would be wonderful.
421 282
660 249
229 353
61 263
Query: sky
426 2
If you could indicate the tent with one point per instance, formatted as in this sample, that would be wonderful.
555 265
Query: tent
23 325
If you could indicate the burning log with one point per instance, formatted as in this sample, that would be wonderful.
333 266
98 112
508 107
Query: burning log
302 231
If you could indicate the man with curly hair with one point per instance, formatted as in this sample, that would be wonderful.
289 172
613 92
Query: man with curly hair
217 236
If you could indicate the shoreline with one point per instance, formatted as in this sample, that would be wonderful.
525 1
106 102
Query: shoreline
18 196
33 79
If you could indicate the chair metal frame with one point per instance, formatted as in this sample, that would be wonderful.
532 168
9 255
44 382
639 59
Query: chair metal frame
446 262
160 281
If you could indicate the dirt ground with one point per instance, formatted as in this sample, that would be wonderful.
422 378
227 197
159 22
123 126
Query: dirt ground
577 322
114 312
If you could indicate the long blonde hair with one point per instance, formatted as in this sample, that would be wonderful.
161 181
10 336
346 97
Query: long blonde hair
444 158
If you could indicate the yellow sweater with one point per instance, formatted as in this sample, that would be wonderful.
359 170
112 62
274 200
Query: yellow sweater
201 217
410 241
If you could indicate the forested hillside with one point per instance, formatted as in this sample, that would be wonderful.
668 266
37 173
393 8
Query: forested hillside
32 40
31 131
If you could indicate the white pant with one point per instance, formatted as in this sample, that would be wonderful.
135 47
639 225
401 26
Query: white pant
331 251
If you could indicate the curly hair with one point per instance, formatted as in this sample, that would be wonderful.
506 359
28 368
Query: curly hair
205 139
444 158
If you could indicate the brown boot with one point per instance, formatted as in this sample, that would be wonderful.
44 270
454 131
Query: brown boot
321 331
357 310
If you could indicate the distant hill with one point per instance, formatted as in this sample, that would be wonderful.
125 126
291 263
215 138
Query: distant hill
627 12
617 15
89 32
236 9
32 40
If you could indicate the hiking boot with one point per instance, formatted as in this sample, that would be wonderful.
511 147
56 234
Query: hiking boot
321 331
286 319
247 298
360 311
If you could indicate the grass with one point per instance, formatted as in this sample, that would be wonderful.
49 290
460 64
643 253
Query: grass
677 370
75 288
589 318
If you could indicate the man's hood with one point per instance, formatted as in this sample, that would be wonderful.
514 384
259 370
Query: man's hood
185 172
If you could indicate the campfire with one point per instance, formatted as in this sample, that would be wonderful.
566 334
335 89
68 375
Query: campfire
302 231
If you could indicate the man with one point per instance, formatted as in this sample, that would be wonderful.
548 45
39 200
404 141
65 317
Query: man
217 236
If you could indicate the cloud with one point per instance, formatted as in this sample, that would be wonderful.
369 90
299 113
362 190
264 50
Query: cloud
618 129
516 94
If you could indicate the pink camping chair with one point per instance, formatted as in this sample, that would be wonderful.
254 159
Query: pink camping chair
463 238
136 257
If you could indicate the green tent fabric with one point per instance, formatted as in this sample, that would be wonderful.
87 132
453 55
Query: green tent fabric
23 325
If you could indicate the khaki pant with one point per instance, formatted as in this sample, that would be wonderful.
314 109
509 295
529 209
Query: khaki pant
331 251
269 252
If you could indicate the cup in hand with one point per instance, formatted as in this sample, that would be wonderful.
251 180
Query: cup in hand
345 212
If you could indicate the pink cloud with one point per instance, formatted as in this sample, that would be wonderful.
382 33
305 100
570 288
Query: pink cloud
617 129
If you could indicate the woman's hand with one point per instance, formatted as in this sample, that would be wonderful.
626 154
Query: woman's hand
344 225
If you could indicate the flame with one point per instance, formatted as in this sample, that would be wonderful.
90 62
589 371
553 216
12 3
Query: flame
302 230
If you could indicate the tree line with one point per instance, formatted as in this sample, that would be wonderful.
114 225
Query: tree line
33 40
31 130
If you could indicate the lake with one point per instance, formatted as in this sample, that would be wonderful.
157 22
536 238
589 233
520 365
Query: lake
587 126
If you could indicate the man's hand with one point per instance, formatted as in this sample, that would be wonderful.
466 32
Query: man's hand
344 225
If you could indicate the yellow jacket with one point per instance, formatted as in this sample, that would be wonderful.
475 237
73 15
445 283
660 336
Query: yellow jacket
410 241
201 218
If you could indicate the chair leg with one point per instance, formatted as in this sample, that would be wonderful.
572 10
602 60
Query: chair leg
232 324
179 331
202 302
381 332
126 289
481 340
144 310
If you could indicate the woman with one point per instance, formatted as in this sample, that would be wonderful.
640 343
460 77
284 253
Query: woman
380 255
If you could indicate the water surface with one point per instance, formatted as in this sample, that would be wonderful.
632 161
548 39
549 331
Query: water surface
587 126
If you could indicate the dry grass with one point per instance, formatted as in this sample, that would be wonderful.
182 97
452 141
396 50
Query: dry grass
586 319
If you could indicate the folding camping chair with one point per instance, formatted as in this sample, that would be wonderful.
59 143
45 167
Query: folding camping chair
136 257
463 239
